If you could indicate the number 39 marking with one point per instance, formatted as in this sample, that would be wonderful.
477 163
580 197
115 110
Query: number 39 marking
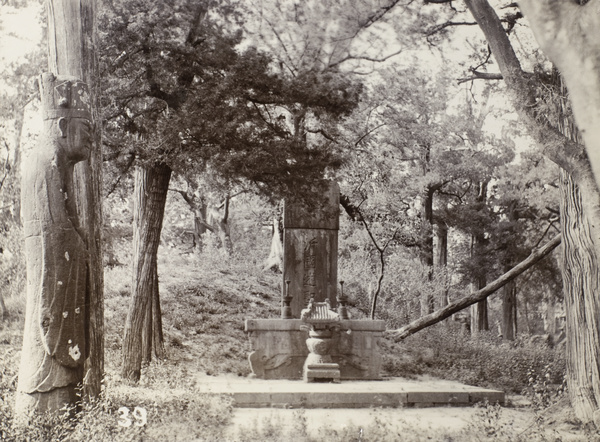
139 416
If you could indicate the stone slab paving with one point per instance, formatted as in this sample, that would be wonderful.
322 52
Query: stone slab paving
390 392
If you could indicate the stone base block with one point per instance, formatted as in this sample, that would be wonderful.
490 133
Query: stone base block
322 372
279 348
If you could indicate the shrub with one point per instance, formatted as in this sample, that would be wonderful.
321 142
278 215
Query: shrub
484 360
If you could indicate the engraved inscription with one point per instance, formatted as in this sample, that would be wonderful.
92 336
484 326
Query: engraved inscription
309 283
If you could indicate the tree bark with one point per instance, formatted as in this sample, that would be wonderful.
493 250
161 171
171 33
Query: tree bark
199 224
427 299
509 295
549 304
456 306
442 261
509 311
581 287
72 51
208 219
55 338
151 187
581 280
158 341
479 311
152 336
220 225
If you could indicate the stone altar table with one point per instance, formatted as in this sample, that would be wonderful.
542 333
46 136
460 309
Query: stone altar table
280 348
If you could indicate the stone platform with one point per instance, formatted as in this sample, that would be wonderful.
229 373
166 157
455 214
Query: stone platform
390 392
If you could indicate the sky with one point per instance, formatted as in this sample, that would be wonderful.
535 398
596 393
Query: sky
19 32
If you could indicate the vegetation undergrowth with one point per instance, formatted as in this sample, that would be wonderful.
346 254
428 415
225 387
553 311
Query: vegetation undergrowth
484 359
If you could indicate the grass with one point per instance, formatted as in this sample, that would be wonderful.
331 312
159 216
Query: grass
205 300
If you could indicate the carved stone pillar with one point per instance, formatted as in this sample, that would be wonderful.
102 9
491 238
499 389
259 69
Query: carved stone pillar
54 340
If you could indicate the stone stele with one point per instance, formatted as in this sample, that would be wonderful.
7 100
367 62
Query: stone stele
310 265
54 341
310 249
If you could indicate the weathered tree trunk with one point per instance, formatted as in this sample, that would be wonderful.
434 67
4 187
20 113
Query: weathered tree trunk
427 298
479 311
479 317
152 336
462 303
55 343
197 204
151 187
199 224
72 51
220 225
208 219
509 295
549 304
158 343
581 281
442 262
509 311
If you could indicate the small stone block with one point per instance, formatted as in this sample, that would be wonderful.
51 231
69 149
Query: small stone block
323 375
326 371
492 396
324 366
441 397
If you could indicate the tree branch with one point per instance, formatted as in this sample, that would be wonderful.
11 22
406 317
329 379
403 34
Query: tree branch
122 174
369 132
456 306
438 28
362 57
481 76
322 132
186 197
352 210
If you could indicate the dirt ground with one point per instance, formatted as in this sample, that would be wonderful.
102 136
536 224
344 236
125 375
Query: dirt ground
515 422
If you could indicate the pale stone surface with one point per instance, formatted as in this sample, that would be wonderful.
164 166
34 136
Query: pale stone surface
54 341
390 392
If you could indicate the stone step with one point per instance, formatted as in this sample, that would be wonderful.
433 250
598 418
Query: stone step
390 392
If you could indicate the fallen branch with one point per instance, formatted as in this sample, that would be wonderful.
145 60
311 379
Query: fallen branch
425 321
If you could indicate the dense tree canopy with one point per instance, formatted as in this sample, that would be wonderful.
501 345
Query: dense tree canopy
181 89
